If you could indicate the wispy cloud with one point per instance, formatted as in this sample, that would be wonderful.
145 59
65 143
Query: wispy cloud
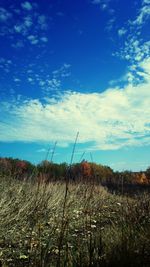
118 117
24 27
41 150
143 14
63 71
110 24
50 85
42 21
17 80
48 82
33 39
26 5
4 15
135 49
6 64
122 31
44 39
53 82
104 5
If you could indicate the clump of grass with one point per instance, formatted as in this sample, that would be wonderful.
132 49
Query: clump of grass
99 228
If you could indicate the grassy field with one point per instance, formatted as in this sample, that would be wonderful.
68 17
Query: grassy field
45 225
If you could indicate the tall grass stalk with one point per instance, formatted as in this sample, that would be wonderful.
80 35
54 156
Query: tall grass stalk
64 222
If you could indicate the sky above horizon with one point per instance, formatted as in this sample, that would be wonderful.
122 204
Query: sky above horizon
76 66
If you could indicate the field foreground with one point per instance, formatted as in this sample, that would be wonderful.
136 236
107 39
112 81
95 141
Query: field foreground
47 225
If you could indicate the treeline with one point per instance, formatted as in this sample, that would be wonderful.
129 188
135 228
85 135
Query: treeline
85 171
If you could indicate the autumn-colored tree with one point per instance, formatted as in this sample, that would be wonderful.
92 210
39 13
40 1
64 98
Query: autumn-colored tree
147 173
21 166
138 178
86 170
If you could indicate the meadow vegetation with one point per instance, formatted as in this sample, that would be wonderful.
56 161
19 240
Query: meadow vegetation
73 223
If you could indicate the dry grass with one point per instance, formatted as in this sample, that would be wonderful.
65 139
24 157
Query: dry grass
95 229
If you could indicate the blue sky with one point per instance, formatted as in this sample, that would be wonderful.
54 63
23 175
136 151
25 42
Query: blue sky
69 66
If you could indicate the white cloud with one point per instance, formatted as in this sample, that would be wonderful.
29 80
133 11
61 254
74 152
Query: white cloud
33 39
41 150
63 71
122 31
17 80
144 14
30 80
44 39
4 15
104 4
146 1
135 74
18 28
110 24
49 85
136 48
41 20
6 64
113 119
28 22
24 25
18 44
27 6
53 82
